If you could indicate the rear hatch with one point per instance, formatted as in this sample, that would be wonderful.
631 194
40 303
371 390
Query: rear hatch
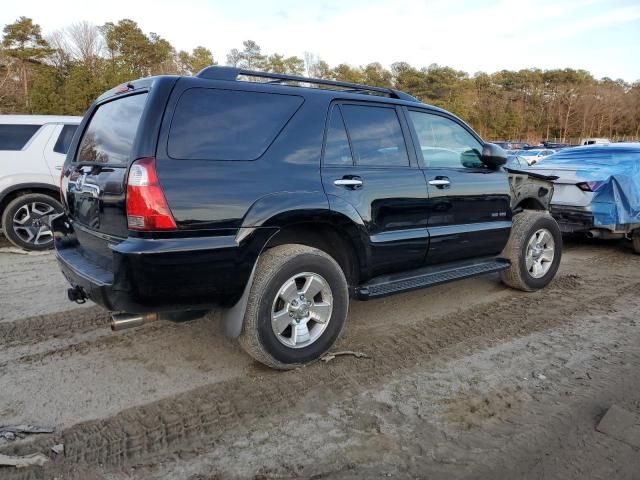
96 186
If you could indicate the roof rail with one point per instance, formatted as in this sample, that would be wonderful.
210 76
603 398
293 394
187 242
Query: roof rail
232 73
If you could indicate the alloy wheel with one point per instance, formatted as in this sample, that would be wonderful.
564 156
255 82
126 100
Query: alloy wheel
301 310
540 253
32 223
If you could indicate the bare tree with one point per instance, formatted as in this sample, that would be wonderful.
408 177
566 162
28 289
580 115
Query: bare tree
84 41
310 61
59 43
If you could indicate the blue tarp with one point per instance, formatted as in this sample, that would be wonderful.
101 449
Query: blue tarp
616 168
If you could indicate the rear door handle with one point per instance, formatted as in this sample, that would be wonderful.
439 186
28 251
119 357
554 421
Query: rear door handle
440 182
348 182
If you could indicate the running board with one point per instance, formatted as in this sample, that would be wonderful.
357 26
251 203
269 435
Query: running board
428 276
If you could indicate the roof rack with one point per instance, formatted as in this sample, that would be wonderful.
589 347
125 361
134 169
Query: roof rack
232 73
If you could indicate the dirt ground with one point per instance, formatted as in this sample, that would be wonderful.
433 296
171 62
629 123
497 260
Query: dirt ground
465 380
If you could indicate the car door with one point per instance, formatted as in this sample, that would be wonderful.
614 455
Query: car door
57 147
369 166
469 204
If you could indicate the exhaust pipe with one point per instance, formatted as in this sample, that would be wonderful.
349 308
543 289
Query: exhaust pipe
593 233
122 321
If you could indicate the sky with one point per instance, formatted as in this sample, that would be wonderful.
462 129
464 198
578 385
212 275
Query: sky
601 36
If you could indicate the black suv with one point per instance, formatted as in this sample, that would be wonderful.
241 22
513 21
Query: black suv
278 198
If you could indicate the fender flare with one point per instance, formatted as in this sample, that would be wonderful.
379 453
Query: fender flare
287 208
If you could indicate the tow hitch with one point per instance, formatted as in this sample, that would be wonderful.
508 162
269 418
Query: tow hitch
77 294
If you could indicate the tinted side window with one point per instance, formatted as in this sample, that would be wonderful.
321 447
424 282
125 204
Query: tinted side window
376 135
112 130
337 150
210 124
15 137
64 140
444 143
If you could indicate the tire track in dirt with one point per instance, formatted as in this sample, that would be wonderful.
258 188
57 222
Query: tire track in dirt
110 340
32 285
461 415
205 413
60 324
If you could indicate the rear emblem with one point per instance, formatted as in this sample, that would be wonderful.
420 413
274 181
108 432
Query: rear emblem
81 186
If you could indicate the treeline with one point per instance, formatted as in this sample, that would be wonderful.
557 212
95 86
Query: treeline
64 72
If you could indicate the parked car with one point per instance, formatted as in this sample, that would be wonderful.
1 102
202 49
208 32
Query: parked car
597 190
534 155
519 145
279 202
556 146
514 161
32 151
594 141
502 144
511 145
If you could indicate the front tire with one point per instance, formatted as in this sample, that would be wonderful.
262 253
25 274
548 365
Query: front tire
534 249
27 221
297 307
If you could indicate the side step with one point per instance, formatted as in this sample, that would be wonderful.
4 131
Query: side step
428 276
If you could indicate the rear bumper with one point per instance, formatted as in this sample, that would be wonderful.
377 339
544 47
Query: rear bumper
95 282
572 219
581 219
139 275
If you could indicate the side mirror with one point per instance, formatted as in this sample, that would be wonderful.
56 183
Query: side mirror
493 156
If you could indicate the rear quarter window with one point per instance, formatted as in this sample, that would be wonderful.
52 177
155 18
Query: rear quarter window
15 137
111 131
213 124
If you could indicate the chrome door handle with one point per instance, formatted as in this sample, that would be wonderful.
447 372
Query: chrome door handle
439 182
59 167
348 182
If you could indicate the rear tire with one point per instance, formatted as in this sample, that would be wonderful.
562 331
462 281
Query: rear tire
282 327
635 239
534 249
26 221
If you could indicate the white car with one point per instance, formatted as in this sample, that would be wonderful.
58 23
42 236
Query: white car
32 151
595 141
534 155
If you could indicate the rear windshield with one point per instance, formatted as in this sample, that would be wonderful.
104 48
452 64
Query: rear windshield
15 137
111 131
210 124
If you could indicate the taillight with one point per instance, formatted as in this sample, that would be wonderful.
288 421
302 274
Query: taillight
147 208
590 186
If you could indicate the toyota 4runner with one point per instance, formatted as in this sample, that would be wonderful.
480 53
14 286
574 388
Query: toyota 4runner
279 198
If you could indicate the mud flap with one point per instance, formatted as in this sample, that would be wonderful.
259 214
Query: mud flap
233 317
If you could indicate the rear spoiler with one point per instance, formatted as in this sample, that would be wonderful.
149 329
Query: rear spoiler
550 178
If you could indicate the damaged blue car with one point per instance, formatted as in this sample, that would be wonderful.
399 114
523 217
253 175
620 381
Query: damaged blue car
597 190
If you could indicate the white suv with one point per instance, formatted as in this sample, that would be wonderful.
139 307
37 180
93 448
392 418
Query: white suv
32 151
